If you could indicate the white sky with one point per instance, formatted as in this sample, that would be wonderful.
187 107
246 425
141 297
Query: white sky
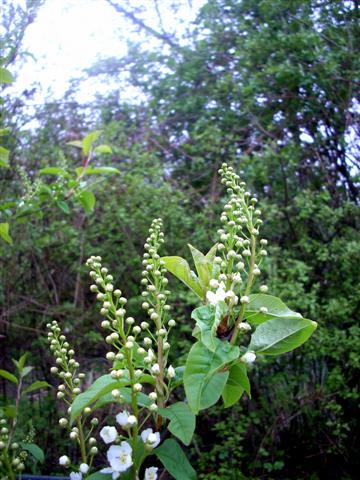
70 35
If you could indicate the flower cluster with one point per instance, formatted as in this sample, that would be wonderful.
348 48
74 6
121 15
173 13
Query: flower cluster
11 456
120 456
67 369
238 259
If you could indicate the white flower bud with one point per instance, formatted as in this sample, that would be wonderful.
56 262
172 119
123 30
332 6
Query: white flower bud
110 356
171 372
244 299
153 396
153 407
264 289
137 387
263 310
244 326
155 369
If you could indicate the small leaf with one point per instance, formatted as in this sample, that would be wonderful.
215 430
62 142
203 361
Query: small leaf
6 76
26 370
10 411
101 171
21 362
36 386
4 233
202 379
100 387
182 421
76 143
89 140
202 267
103 149
181 270
35 451
53 171
207 319
101 476
275 308
63 206
87 200
174 460
4 157
236 384
281 335
9 376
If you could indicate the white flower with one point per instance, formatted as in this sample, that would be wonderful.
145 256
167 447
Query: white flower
248 357
218 296
84 468
119 457
122 418
237 278
171 371
244 326
151 438
108 434
64 460
75 476
151 473
132 420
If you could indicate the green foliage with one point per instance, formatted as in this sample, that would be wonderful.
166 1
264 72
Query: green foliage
174 460
182 421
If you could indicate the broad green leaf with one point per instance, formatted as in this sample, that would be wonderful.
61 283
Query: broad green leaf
281 335
142 399
87 200
53 171
182 421
35 451
214 268
202 267
63 206
174 460
101 476
6 76
96 171
178 379
276 309
236 384
179 267
20 364
103 149
4 157
89 140
4 131
36 386
4 233
207 318
202 378
10 411
100 387
76 143
9 376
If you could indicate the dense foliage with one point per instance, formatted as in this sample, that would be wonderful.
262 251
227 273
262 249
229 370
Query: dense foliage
272 88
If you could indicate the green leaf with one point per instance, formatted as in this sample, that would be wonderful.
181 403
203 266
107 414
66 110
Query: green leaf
102 171
202 378
4 233
179 267
10 411
36 386
76 143
179 377
236 384
4 131
101 476
9 376
21 362
182 421
174 460
87 200
63 206
35 451
6 76
89 140
281 335
53 171
26 370
214 268
202 266
276 309
4 157
103 149
100 387
207 318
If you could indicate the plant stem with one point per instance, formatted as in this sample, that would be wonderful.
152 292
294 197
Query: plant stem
249 283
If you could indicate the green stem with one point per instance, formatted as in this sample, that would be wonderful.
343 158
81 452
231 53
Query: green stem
249 283
82 441
135 409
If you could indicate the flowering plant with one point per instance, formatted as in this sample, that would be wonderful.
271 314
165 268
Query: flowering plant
141 379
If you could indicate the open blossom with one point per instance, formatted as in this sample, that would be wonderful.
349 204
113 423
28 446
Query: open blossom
152 439
108 434
119 457
122 418
151 473
75 476
218 296
249 357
